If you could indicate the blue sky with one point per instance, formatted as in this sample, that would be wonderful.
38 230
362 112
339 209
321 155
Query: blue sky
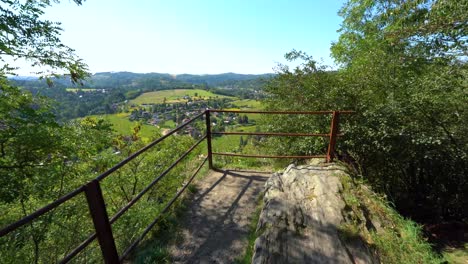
199 37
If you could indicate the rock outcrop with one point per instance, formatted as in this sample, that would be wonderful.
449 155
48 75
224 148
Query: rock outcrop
301 219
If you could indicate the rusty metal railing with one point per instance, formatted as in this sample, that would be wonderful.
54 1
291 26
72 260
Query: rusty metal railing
94 197
332 135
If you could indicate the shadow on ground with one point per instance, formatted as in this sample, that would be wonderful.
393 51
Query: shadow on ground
217 223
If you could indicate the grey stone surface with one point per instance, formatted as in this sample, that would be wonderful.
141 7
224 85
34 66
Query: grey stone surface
301 217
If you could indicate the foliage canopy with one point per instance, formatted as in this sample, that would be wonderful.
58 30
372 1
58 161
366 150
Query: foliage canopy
25 35
403 70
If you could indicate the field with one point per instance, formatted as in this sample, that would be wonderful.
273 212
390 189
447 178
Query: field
168 124
174 96
79 89
248 104
123 126
231 143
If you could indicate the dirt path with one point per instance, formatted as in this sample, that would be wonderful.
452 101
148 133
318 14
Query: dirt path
217 224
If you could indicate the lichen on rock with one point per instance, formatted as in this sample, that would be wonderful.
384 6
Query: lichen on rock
302 216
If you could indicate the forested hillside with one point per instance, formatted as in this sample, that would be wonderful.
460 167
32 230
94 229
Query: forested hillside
151 81
102 93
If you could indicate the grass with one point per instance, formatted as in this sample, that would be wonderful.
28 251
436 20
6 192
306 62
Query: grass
394 238
252 235
174 96
250 104
80 89
228 143
231 144
247 104
248 128
168 124
123 126
457 255
155 249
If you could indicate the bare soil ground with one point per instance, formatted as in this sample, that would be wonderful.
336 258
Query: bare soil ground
216 226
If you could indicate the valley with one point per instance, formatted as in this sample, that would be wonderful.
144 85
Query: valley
152 111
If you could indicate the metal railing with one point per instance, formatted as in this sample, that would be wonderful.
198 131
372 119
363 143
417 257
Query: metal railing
332 135
95 200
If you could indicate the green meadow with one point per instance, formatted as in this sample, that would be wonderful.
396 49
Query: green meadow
123 126
248 104
79 89
174 96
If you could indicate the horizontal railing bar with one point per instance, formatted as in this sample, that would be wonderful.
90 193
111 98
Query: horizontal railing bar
136 154
268 156
127 206
272 134
77 191
139 195
72 194
281 112
41 211
148 228
78 249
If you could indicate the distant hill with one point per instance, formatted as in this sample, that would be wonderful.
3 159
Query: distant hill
222 79
104 90
155 81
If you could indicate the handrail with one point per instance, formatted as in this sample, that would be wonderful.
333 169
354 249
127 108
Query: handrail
146 189
269 156
272 134
281 112
168 205
103 223
129 204
4 231
145 148
332 135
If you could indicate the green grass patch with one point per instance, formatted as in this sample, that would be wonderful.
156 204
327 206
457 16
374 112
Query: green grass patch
79 89
155 248
253 234
228 143
232 144
371 219
250 104
123 126
168 124
246 128
175 96
457 255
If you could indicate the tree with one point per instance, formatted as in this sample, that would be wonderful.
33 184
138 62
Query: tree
405 65
308 87
27 137
37 155
24 35
403 70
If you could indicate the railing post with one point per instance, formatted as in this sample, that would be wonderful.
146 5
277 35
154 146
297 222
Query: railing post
98 212
333 132
208 139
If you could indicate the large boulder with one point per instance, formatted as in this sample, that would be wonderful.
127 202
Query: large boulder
301 219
